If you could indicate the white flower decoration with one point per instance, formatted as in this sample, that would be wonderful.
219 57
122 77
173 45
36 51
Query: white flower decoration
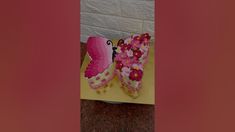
128 40
125 71
143 48
129 53
137 67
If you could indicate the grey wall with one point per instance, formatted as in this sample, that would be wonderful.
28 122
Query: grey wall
116 18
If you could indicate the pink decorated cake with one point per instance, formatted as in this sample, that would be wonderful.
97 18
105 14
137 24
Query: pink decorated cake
126 61
100 69
132 54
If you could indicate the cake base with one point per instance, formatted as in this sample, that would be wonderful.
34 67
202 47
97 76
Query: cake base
104 89
100 82
133 94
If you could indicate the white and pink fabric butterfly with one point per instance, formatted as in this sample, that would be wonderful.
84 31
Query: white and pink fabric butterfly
126 60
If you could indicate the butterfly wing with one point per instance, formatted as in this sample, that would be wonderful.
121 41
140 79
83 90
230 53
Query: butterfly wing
100 53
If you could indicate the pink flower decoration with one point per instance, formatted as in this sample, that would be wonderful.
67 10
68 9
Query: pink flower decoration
136 75
137 66
135 44
121 56
125 47
146 41
127 62
128 40
129 53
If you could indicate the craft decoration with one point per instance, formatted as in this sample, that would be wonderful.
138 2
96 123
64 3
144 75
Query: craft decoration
126 60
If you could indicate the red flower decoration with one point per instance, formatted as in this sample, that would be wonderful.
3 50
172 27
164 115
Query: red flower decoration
137 53
121 45
146 35
120 42
119 65
129 46
137 38
136 75
125 47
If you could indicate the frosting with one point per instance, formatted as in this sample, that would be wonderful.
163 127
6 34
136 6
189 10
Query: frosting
129 58
101 55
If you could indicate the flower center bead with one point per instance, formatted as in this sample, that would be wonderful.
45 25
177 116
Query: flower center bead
142 46
136 75
135 67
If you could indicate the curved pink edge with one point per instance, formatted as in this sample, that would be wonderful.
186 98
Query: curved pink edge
92 71
100 54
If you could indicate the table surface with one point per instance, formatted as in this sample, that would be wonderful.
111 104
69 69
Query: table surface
99 116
